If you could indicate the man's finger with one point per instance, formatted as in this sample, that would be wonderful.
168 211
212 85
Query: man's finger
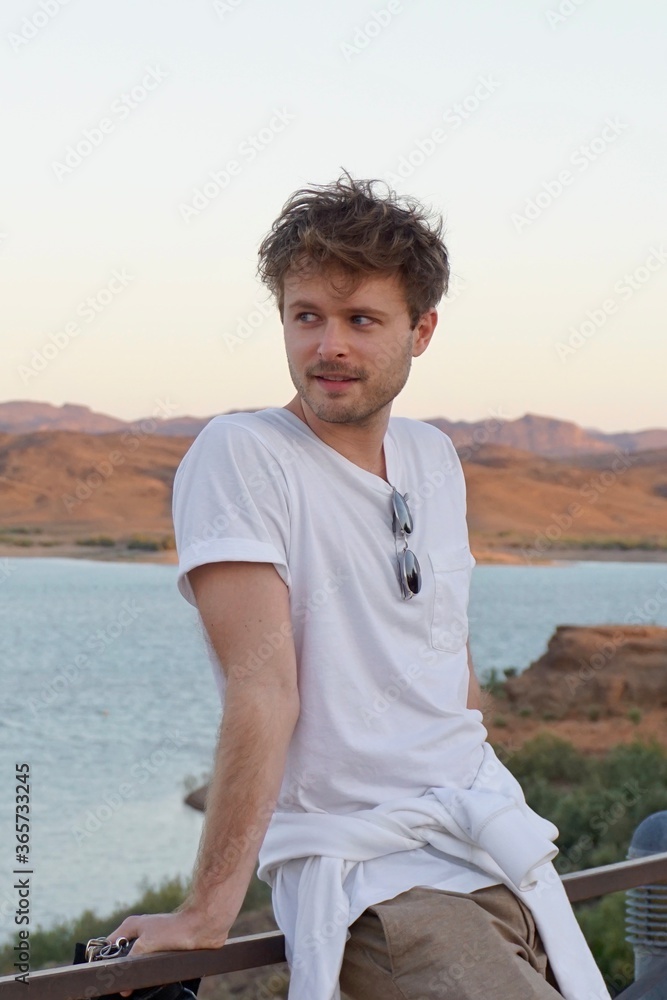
128 929
137 948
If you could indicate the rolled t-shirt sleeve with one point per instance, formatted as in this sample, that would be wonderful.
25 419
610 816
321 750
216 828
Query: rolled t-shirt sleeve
230 503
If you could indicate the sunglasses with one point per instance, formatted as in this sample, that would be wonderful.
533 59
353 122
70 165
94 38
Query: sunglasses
409 574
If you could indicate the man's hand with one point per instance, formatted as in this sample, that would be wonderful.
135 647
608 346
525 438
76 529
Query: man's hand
183 930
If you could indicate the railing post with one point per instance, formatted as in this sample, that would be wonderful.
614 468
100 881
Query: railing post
646 906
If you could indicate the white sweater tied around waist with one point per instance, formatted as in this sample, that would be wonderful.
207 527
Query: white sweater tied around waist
489 825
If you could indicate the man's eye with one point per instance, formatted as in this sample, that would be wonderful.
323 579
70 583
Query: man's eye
306 317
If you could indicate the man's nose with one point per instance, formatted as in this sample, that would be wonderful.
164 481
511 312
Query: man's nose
333 340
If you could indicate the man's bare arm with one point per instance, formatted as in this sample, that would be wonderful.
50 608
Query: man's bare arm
240 604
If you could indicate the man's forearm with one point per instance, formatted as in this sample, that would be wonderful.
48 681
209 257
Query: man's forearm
249 767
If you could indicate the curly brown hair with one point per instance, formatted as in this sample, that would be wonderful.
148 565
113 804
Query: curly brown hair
344 227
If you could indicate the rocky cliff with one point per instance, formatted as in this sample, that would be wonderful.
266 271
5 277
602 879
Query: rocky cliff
609 668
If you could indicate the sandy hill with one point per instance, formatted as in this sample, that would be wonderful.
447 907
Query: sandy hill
68 484
516 497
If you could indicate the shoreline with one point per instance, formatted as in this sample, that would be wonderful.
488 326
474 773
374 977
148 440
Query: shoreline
95 553
485 557
555 556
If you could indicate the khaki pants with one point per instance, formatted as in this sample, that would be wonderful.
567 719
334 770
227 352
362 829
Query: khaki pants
428 943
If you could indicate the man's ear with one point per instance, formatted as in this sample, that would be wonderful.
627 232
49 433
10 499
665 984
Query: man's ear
423 331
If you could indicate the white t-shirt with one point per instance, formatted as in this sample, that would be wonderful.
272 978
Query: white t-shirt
383 682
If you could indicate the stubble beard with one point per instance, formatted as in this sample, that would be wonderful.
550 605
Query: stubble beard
368 402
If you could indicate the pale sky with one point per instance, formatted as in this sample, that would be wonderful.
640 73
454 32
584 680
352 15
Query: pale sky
536 127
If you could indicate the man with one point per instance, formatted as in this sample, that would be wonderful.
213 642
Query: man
325 546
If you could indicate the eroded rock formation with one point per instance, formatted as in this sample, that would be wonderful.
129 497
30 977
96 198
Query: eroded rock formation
610 668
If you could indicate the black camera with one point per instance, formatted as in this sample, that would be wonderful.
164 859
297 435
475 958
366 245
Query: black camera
100 948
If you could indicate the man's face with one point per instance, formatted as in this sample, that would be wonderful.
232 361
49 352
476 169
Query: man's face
365 335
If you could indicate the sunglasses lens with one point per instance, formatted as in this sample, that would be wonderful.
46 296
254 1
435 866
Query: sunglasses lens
412 572
401 514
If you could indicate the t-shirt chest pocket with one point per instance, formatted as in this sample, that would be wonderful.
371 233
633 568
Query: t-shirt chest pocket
449 622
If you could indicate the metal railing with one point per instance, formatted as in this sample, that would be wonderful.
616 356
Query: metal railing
74 982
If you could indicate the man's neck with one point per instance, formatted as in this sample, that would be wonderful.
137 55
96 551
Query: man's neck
374 463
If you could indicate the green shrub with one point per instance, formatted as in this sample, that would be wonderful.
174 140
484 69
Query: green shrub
493 683
635 715
144 543
55 945
105 541
549 757
602 923
596 803
149 544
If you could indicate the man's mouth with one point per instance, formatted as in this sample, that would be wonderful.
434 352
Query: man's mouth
335 383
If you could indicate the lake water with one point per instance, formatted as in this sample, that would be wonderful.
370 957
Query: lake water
108 695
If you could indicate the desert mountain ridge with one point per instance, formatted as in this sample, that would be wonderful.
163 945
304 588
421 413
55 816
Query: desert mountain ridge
66 486
541 435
